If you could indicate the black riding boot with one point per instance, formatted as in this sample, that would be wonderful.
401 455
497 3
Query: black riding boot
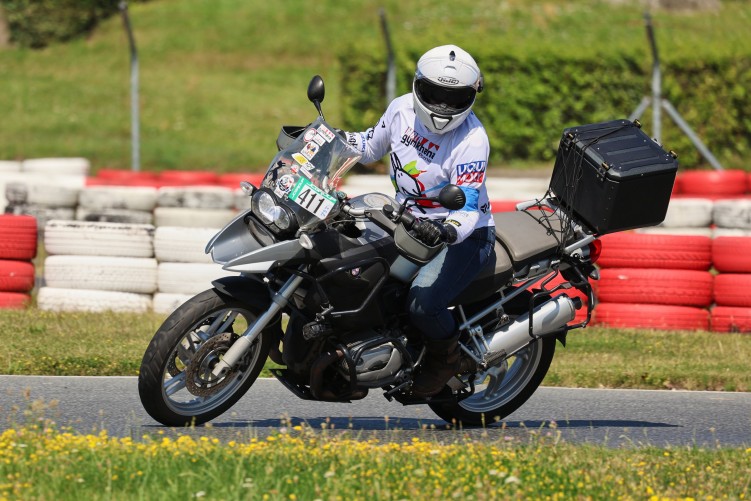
441 363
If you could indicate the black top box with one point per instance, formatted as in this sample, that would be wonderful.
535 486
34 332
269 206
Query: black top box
612 176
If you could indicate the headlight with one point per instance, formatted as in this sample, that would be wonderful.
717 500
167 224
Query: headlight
264 206
267 209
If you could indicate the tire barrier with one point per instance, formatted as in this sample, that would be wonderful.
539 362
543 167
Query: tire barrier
655 286
119 274
86 238
188 278
640 250
713 183
18 237
18 246
651 316
14 300
55 299
135 198
731 319
732 289
732 254
688 213
177 244
732 213
57 166
196 197
16 276
97 262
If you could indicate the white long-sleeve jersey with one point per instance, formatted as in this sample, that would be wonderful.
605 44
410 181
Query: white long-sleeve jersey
422 163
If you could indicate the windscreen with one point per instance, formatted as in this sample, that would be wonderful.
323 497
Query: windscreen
306 175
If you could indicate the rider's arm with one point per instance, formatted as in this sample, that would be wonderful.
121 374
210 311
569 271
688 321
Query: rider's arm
468 170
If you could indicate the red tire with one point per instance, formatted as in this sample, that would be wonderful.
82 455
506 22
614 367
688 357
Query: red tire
702 182
651 316
653 286
16 276
730 319
641 250
732 254
232 180
732 289
187 177
14 300
18 237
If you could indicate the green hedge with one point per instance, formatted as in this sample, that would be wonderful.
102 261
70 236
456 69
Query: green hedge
531 97
38 23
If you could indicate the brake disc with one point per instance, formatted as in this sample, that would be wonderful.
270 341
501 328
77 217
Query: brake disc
198 377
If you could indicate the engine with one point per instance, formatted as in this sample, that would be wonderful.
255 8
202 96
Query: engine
378 359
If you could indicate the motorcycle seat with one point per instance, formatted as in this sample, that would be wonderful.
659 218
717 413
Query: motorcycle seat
528 236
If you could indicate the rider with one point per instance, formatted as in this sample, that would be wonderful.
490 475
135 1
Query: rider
434 139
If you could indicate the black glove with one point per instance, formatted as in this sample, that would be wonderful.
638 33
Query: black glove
432 233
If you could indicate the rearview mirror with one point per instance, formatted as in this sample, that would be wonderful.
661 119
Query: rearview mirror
452 197
316 92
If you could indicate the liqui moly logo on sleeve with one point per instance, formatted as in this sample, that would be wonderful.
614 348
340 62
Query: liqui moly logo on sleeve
472 172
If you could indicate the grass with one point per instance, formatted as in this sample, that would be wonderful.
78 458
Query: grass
112 344
219 77
41 462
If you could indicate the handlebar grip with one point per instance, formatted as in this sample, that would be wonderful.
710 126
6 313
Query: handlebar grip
406 218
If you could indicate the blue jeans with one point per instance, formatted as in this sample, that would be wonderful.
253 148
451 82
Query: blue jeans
442 279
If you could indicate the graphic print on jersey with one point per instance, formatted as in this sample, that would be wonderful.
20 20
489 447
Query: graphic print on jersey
404 178
425 149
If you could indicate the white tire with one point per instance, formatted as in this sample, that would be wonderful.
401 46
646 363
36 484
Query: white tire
53 299
661 230
192 218
86 238
688 213
733 213
188 278
195 197
167 303
44 195
241 200
140 198
121 274
10 166
42 214
115 216
178 244
62 166
730 232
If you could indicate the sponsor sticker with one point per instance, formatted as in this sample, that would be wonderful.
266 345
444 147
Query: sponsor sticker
310 150
472 172
326 133
309 135
319 139
285 183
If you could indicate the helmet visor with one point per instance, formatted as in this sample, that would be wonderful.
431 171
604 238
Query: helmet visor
444 100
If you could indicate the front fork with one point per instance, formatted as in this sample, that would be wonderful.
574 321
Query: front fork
240 347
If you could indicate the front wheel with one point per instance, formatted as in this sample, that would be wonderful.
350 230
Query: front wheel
503 388
175 383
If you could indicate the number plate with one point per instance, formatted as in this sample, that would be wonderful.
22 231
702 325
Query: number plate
312 198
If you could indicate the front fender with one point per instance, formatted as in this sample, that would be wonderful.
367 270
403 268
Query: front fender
249 290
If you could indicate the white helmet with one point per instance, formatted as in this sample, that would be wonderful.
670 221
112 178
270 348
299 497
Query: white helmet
446 83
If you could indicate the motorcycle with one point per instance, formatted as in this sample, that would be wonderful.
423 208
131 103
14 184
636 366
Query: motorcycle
321 291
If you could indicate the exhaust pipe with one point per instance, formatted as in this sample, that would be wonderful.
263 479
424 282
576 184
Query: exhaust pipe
548 318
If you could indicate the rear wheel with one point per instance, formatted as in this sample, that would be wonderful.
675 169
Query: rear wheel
503 388
175 384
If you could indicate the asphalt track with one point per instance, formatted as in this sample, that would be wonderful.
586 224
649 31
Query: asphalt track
615 418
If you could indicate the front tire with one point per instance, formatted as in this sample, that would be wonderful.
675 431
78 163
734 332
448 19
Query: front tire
175 382
502 389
